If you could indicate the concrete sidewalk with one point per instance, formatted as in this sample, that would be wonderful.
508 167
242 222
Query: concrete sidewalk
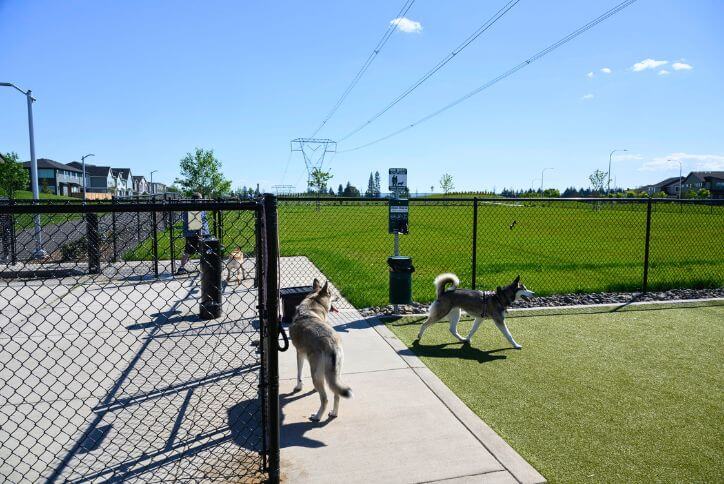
403 424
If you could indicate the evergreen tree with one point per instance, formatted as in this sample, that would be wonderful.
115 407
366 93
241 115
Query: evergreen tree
370 192
340 190
378 185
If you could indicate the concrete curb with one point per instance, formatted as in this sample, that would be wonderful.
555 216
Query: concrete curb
504 453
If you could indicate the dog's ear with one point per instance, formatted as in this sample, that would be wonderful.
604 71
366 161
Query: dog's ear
325 288
516 281
315 285
499 290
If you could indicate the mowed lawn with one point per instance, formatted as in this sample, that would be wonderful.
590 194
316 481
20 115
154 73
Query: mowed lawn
558 248
629 396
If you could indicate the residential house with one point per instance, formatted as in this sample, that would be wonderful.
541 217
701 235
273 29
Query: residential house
140 185
155 188
99 179
670 186
711 180
58 178
124 181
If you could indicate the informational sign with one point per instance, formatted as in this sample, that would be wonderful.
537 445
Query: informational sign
399 211
398 179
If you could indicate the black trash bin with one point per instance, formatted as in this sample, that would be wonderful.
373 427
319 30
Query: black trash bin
291 297
401 270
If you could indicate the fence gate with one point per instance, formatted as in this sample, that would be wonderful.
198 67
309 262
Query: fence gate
107 370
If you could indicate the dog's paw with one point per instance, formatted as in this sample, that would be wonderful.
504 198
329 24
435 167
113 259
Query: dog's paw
517 346
298 388
314 417
332 415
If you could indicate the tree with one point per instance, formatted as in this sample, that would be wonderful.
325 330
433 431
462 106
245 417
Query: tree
350 191
370 192
44 188
551 193
318 180
597 179
340 190
378 184
446 183
331 191
703 193
688 194
201 172
13 175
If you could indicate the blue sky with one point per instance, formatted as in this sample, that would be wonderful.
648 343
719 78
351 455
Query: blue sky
141 83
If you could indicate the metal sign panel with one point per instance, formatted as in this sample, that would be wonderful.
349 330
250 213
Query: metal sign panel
397 179
398 219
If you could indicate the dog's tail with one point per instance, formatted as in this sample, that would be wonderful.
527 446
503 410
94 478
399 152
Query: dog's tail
332 372
443 280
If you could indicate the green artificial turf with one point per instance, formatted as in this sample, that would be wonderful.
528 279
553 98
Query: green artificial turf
556 248
629 396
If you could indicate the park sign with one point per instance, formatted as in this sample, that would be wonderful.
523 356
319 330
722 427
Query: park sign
398 220
398 180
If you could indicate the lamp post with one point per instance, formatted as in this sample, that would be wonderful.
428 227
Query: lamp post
608 184
39 253
82 159
151 187
541 177
678 161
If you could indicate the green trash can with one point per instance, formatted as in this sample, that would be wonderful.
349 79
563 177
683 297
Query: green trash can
401 270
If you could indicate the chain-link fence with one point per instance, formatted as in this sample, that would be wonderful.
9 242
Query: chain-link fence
558 246
135 347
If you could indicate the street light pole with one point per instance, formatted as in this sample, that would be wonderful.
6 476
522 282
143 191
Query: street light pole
152 172
679 161
39 253
82 159
608 185
541 177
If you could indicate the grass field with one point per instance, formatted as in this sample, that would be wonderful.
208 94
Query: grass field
559 248
629 396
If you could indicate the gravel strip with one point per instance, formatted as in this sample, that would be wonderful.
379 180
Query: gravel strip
569 300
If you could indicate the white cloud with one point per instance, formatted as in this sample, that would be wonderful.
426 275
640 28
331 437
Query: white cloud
590 75
606 70
588 96
648 64
689 161
681 66
406 25
664 72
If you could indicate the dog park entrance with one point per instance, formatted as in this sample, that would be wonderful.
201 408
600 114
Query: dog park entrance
110 370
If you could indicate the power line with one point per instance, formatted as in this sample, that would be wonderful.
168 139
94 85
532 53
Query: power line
469 40
502 76
385 37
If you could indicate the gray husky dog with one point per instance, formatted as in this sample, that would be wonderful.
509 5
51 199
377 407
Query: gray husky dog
316 340
478 304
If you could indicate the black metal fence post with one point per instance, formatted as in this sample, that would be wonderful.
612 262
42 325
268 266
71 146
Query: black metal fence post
13 241
94 249
271 320
155 243
648 243
475 241
172 249
115 235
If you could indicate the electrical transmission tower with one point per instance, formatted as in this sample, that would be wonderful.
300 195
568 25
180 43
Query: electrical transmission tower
313 151
283 189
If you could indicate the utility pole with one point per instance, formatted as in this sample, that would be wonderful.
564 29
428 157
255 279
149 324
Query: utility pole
151 191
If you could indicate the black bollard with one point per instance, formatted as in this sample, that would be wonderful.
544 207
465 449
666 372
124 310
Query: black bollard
211 289
94 243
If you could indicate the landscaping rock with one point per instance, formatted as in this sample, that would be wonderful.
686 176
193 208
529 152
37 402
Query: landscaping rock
567 300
